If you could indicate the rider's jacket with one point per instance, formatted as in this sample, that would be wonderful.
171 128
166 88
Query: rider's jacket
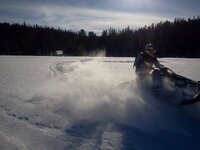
144 63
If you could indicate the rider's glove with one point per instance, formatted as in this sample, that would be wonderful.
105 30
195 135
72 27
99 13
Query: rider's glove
161 66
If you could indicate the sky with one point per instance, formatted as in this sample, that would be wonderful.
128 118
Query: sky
96 15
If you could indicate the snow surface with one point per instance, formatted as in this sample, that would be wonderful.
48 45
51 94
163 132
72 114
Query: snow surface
78 103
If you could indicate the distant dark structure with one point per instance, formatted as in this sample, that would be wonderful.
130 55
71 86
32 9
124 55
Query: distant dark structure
179 38
57 53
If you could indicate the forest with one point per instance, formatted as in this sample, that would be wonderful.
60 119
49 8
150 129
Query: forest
178 38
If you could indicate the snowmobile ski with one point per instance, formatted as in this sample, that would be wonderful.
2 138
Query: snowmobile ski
191 101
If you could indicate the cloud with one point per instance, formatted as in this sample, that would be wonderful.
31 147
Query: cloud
75 18
96 15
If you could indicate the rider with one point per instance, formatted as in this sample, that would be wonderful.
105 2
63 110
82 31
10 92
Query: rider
144 63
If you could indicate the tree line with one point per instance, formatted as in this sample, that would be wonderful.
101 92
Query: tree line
179 38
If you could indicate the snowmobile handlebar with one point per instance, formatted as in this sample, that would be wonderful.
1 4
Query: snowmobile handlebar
165 71
168 72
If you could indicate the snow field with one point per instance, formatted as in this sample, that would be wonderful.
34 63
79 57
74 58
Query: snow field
81 103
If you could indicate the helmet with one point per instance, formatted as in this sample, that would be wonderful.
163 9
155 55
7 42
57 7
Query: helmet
150 50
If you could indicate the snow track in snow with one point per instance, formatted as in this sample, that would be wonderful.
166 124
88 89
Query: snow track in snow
94 135
58 68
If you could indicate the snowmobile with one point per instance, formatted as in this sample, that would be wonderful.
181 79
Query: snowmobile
175 88
171 88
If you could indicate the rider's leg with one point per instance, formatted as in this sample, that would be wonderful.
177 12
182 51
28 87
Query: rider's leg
157 79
